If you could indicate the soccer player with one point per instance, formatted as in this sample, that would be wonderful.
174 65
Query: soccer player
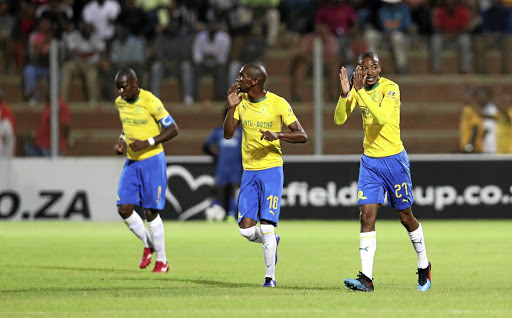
143 182
261 115
384 166
228 168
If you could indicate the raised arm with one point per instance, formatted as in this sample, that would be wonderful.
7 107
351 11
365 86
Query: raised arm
345 105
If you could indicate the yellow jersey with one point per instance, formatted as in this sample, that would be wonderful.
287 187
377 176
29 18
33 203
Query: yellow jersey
469 120
269 113
380 109
140 121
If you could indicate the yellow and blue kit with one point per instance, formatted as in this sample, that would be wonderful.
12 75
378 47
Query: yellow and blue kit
384 166
143 179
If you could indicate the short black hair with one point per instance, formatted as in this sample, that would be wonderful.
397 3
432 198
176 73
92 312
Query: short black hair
256 71
126 72
366 54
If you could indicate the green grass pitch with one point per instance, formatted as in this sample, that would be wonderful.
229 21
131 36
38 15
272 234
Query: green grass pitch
79 269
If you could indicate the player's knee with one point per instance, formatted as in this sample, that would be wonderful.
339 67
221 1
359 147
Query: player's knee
124 211
249 233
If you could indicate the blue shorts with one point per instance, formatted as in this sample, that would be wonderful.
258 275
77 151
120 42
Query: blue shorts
144 182
260 195
391 175
225 177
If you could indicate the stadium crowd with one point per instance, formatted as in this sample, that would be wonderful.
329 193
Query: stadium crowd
190 39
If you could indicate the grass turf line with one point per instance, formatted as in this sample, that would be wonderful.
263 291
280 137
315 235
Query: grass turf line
63 269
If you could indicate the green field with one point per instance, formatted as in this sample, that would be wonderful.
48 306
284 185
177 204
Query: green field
76 269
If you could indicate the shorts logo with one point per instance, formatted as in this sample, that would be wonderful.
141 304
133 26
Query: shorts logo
159 194
360 195
272 213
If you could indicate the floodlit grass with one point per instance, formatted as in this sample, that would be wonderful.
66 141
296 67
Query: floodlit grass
77 269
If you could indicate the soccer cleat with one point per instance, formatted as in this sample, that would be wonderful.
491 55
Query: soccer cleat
424 278
161 267
146 257
362 283
269 282
278 238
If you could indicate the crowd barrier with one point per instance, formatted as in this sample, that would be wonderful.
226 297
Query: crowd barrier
315 187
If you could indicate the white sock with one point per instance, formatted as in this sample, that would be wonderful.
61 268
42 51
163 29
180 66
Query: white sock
252 233
136 225
367 248
156 228
269 249
418 242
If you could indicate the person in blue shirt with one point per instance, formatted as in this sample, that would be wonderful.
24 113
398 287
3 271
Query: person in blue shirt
494 32
227 156
393 28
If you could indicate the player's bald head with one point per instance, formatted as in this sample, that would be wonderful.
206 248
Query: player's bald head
366 54
126 74
256 72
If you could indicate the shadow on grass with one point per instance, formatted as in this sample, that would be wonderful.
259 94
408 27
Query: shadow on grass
218 283
144 279
68 268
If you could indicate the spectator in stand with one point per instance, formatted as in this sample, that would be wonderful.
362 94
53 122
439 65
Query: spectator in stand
470 125
299 16
7 130
60 15
41 144
38 66
134 19
23 27
490 113
452 26
127 52
84 48
6 24
265 14
252 50
238 19
495 32
394 25
190 14
367 13
210 52
172 58
156 11
341 18
102 14
421 16
302 62
220 10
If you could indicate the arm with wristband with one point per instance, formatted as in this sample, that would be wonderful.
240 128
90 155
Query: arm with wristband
169 131
119 145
